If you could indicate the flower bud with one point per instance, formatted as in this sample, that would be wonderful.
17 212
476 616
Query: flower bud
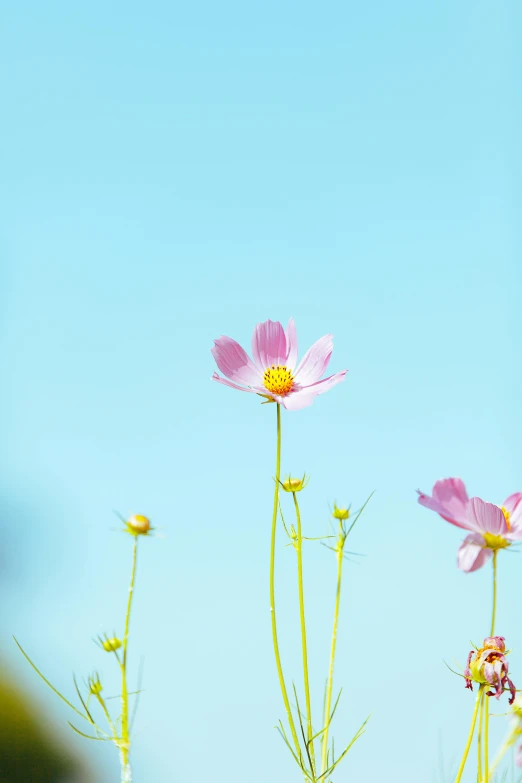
294 484
340 513
138 525
95 686
112 644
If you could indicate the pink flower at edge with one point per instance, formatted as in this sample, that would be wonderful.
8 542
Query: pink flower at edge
491 527
273 371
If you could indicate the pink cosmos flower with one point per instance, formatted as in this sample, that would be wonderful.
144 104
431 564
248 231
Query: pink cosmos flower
489 666
492 527
274 372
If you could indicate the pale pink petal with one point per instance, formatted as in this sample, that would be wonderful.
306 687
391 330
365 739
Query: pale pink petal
486 517
449 499
297 400
291 345
315 361
269 345
235 363
472 554
302 398
226 382
513 504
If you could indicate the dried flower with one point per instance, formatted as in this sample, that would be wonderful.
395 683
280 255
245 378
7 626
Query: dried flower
489 666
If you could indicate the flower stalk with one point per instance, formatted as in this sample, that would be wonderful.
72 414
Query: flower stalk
329 684
277 655
124 744
478 701
299 548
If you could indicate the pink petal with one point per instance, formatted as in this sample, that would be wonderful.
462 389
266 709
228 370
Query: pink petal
226 382
235 363
513 504
291 345
302 398
472 555
449 499
486 517
295 401
315 361
269 345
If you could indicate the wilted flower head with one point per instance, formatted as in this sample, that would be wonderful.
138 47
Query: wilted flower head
138 525
294 484
274 372
493 527
489 666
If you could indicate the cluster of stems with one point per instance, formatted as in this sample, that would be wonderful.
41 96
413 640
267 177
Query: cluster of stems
302 740
481 713
119 730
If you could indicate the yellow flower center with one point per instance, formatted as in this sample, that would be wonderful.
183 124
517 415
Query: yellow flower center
492 541
507 516
278 380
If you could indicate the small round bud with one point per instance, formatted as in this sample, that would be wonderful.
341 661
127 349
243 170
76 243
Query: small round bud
294 484
138 525
111 645
340 513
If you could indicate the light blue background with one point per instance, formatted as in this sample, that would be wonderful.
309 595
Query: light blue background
173 172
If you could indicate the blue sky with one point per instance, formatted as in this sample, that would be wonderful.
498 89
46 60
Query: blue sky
171 173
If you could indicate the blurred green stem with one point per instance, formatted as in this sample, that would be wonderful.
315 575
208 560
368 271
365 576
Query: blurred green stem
126 773
329 686
303 632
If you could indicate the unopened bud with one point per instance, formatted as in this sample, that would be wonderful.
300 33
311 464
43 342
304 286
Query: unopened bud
111 645
294 484
138 525
340 513
95 686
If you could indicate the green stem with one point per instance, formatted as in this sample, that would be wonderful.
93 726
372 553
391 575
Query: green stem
479 739
126 774
470 735
303 631
486 738
493 614
329 686
272 590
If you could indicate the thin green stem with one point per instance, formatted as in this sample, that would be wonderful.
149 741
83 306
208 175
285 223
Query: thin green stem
107 714
479 739
303 632
470 735
329 686
486 738
272 590
126 774
493 614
